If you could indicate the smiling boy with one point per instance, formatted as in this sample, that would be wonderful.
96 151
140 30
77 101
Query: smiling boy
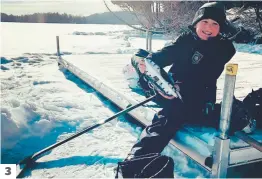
207 28
197 58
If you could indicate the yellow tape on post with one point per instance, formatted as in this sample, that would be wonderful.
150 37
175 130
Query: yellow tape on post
231 69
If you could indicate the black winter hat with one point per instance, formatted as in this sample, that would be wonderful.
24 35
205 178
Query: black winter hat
212 10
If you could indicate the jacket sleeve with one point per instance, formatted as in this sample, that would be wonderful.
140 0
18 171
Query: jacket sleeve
169 54
228 51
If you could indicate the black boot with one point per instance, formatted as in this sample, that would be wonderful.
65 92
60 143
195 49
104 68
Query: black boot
146 166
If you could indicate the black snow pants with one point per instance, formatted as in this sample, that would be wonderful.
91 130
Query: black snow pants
145 159
167 122
176 114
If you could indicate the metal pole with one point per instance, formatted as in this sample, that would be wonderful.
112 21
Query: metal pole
150 42
57 46
228 94
222 142
220 158
147 34
254 143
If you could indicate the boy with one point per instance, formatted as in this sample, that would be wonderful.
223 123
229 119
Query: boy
197 58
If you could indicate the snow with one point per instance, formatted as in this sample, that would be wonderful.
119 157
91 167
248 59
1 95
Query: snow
41 104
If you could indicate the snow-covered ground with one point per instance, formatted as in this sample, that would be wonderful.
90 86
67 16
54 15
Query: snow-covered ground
41 104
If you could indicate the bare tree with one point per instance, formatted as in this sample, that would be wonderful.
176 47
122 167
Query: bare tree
179 14
247 14
174 16
165 16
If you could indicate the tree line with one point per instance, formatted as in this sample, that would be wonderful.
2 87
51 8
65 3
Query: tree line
102 18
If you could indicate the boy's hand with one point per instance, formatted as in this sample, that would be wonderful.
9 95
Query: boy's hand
140 64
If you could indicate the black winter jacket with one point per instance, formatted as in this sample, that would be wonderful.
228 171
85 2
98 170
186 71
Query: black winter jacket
197 64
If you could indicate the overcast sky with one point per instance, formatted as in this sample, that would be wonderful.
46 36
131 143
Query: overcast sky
74 7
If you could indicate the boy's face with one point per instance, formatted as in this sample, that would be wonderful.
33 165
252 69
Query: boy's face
207 28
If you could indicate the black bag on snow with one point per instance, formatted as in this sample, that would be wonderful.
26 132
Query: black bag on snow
253 103
241 118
